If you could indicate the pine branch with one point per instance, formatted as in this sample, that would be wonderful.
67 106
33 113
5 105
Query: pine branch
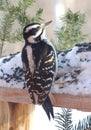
12 13
64 120
70 33
5 28
7 22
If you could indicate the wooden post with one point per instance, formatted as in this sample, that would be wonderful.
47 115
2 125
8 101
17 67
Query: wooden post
16 116
4 116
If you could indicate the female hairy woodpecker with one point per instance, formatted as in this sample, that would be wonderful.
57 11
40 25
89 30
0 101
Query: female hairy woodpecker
39 64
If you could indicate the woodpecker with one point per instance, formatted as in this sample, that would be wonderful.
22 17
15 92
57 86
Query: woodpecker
39 65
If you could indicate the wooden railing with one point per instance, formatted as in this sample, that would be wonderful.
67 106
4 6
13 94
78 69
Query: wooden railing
16 95
16 110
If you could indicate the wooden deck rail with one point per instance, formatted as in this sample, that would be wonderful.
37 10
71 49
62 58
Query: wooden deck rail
16 110
58 100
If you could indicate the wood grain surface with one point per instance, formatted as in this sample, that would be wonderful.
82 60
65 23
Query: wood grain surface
15 95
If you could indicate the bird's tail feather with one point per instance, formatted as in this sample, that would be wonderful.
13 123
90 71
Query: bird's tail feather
48 108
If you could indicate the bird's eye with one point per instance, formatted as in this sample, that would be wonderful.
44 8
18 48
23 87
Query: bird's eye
38 28
33 31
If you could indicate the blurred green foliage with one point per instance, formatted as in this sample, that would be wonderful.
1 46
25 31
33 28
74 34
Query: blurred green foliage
11 13
71 31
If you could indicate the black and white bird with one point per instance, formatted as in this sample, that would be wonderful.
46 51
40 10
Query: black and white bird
39 63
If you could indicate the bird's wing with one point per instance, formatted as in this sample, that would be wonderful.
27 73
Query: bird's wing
43 79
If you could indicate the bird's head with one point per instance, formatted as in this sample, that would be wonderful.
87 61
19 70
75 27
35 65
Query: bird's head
34 32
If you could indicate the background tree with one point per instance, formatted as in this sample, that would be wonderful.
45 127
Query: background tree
71 31
13 13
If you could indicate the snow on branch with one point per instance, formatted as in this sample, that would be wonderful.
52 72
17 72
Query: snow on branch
73 76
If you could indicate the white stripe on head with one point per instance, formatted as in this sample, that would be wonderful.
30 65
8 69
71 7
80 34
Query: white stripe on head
30 27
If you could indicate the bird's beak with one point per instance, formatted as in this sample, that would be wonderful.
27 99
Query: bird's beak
47 23
43 25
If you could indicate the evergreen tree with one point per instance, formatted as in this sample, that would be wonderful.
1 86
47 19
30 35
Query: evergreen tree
71 31
15 12
64 119
85 124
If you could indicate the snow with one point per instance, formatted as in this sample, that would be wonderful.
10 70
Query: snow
74 71
73 76
11 72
